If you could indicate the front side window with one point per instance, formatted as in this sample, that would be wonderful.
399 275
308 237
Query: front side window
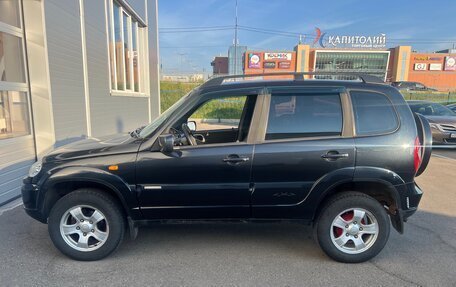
374 113
219 120
304 115
125 44
219 114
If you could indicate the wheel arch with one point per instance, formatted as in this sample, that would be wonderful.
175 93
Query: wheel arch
378 183
70 179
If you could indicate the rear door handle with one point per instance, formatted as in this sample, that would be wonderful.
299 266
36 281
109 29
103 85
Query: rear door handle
334 155
235 159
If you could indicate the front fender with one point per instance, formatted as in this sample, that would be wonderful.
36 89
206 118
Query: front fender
125 193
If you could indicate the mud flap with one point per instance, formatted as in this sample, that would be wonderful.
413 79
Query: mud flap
133 228
397 222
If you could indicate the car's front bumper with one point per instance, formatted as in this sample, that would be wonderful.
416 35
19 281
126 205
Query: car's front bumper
443 138
30 193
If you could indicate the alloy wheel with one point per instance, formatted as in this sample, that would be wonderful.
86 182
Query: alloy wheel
84 228
354 230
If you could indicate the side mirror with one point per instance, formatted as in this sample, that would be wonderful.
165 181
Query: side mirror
191 125
166 143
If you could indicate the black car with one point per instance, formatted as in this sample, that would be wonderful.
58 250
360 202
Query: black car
441 119
340 155
411 86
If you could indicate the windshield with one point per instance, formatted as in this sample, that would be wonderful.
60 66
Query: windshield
163 117
432 109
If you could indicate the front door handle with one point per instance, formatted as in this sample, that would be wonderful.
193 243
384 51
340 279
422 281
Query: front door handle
235 159
334 155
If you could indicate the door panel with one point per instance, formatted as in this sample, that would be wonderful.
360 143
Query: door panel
195 182
305 139
284 172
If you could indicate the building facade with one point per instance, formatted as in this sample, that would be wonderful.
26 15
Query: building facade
71 69
219 66
436 70
235 59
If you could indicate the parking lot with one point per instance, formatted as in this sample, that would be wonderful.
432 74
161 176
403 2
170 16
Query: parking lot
244 255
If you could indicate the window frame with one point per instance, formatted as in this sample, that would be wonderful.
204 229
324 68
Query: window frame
398 119
140 37
22 87
347 116
204 97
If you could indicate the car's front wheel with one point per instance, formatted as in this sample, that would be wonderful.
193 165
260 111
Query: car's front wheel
86 225
352 227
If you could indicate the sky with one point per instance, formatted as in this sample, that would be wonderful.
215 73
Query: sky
425 25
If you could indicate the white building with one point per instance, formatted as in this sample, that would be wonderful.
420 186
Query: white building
70 69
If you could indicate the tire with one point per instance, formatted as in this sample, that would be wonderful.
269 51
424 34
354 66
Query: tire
86 225
370 233
425 137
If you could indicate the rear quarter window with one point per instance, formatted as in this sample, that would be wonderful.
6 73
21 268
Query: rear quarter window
374 113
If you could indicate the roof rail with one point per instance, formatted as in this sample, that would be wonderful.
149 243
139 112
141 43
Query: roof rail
298 76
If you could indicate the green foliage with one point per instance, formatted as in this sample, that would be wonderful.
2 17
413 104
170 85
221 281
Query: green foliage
229 108
438 97
171 92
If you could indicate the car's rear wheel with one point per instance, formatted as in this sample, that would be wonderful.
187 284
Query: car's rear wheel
352 227
86 224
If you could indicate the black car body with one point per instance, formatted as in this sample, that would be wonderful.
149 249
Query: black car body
411 86
299 146
441 119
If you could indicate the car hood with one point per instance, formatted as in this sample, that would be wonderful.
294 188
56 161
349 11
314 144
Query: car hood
446 120
99 146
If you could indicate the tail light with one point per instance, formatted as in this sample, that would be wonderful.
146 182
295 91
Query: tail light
417 158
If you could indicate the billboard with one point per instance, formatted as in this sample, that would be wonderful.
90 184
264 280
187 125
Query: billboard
420 67
284 65
450 63
277 56
254 60
435 67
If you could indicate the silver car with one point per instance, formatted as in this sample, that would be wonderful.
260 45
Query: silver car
441 118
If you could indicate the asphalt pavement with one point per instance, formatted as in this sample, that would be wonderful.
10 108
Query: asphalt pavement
445 152
236 254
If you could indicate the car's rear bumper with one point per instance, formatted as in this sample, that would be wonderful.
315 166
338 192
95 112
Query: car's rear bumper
411 200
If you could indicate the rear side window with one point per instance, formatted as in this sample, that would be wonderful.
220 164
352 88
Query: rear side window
304 115
374 113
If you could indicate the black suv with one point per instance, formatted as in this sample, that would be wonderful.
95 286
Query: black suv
340 155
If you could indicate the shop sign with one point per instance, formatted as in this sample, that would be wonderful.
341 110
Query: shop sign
284 65
450 63
269 65
277 56
420 67
254 61
350 41
427 58
435 67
